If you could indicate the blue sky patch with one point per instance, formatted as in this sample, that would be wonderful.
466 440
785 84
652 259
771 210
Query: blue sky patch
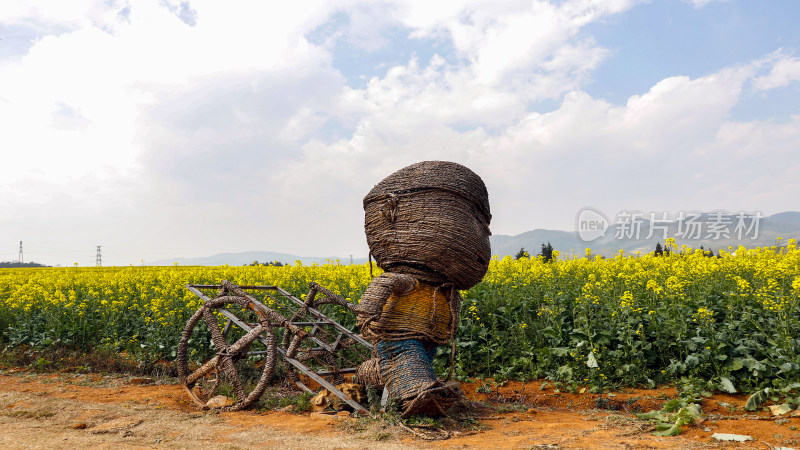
657 40
358 65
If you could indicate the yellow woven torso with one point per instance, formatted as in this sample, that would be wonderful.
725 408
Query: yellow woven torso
423 313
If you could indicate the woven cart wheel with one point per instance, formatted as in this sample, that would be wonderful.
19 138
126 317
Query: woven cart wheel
216 359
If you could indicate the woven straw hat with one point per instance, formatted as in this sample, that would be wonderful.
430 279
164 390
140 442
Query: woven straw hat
431 220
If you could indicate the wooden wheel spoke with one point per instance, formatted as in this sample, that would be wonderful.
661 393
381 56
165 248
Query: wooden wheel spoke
230 372
216 334
202 371
246 340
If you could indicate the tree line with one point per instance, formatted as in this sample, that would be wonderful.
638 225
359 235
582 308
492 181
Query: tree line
16 264
547 252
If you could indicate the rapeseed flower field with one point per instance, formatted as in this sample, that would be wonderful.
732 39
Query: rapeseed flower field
730 322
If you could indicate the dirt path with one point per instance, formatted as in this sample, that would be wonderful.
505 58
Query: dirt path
92 411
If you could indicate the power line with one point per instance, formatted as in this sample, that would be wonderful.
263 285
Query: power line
21 260
99 259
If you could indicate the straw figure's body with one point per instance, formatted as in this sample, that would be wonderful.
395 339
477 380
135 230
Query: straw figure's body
427 226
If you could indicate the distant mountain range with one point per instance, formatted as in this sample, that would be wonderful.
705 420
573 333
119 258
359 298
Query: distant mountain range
715 232
623 236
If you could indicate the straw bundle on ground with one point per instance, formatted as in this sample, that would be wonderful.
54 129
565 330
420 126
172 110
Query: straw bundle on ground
431 220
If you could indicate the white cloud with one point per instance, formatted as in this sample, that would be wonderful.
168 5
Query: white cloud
695 107
506 41
105 78
368 21
49 11
662 148
78 124
784 71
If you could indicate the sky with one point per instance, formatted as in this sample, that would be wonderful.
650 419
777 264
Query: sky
162 128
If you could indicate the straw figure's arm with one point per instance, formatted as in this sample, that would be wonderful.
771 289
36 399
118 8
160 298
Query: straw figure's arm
378 292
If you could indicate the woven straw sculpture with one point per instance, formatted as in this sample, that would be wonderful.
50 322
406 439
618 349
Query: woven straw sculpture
427 227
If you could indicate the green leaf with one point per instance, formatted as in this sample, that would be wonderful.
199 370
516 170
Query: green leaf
736 364
648 415
674 430
661 426
791 387
564 373
672 405
692 361
726 385
755 400
578 335
602 339
693 410
550 332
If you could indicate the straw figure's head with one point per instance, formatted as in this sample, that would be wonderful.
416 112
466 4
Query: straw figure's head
430 220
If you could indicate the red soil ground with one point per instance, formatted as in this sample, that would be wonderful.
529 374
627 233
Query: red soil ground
90 410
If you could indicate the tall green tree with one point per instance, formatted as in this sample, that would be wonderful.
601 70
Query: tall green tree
547 252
